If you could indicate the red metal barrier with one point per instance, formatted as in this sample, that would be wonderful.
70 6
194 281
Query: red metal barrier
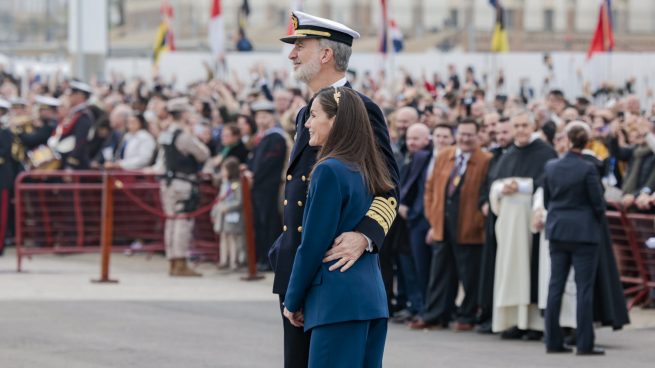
635 260
61 212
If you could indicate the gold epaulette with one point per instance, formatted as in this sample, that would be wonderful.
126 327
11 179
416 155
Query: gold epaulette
383 211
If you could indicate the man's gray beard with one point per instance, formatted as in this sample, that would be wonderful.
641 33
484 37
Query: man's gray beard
306 72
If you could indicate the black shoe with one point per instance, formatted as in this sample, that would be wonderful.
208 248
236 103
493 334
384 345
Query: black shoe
513 334
264 267
532 335
594 351
484 328
560 350
402 316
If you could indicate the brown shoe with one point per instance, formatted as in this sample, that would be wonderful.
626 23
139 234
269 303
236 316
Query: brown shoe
183 270
172 266
462 327
420 324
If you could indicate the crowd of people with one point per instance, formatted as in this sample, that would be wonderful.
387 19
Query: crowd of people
484 235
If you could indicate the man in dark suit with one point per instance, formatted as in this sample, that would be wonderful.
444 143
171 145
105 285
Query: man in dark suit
320 57
574 199
412 188
266 165
457 228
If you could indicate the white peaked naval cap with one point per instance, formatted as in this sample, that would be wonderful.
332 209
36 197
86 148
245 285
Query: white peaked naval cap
310 26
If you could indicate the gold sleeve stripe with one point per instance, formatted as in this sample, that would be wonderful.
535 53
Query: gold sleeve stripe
379 220
386 210
387 216
384 216
388 204
383 211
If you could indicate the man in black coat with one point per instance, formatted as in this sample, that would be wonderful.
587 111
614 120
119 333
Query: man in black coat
320 57
504 138
526 159
266 165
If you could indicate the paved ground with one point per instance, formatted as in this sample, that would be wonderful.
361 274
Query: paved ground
52 316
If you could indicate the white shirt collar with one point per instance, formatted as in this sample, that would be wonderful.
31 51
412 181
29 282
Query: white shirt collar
340 83
466 155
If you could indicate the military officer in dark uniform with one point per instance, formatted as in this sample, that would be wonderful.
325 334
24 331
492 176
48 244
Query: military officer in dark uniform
71 136
45 125
7 176
267 165
320 57
4 110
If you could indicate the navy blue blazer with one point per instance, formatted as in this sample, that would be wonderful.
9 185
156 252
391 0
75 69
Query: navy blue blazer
412 186
574 199
337 201
303 157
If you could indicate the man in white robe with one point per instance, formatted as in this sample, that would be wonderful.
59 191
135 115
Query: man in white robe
515 310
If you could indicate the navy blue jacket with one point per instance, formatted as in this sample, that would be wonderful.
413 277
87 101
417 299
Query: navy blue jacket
574 199
267 163
374 224
7 174
337 201
412 187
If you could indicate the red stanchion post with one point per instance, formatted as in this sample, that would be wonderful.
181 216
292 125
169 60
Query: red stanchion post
249 231
107 228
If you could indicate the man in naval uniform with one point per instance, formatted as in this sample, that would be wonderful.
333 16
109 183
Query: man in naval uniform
72 134
181 157
267 165
322 48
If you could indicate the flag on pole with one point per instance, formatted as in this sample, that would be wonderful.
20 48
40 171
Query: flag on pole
499 40
603 39
244 12
216 34
383 38
165 39
397 39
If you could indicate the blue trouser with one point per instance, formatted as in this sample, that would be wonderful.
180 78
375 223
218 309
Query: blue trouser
584 258
408 284
348 344
421 252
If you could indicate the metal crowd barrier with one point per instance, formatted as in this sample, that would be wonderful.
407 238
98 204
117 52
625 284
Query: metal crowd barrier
630 233
60 212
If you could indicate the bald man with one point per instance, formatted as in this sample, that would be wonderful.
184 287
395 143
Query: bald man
405 117
412 186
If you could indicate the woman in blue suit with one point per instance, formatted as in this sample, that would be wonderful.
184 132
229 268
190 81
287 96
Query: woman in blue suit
346 312
574 199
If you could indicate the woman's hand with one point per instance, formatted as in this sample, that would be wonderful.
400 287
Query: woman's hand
296 319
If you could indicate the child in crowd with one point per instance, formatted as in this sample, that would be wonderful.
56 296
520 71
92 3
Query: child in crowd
227 216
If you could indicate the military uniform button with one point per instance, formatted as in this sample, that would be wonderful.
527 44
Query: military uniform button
300 229
286 202
299 203
304 178
289 177
284 228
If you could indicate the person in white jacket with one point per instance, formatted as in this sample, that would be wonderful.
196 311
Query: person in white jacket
137 148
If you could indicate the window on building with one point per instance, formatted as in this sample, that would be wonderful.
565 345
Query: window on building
510 22
549 20
452 19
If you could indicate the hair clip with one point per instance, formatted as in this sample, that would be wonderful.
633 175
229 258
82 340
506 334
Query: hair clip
337 95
